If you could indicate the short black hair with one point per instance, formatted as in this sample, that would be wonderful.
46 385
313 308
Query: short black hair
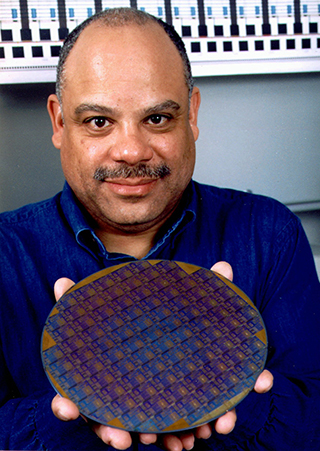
115 17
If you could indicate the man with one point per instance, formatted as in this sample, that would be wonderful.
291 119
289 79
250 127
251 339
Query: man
125 121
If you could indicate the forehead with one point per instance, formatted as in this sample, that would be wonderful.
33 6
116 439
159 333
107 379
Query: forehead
124 57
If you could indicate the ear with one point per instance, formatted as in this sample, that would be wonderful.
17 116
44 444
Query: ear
193 111
55 113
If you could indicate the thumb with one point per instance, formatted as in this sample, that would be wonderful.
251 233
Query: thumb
61 286
224 269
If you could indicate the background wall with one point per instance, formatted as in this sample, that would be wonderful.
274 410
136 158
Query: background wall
262 133
257 132
29 164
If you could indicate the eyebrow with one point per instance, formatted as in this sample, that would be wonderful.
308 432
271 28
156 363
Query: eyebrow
166 105
105 111
84 107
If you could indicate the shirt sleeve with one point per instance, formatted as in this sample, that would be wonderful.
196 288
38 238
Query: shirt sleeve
288 416
29 424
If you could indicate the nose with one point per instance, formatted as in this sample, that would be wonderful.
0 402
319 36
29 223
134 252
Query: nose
131 147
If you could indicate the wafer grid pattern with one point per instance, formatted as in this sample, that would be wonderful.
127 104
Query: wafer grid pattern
150 347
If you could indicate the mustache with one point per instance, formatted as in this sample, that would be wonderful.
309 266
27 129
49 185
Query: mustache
125 172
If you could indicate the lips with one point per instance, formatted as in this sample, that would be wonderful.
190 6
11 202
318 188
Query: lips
131 187
130 182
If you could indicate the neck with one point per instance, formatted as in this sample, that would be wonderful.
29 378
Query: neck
136 244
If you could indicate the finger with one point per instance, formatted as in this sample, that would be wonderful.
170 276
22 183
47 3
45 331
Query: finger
114 437
147 439
187 440
224 269
264 382
61 286
226 423
204 431
64 409
172 443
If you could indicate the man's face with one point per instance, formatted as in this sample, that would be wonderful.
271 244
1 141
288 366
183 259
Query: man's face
127 138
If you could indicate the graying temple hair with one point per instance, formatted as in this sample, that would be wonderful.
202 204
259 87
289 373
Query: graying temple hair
117 17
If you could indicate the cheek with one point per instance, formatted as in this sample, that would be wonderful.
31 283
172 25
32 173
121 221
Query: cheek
89 150
172 147
182 151
80 157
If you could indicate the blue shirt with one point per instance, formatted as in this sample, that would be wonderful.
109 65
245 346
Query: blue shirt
272 263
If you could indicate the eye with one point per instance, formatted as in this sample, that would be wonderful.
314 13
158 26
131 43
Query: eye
98 122
157 119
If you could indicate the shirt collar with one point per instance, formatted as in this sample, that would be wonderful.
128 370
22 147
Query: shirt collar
79 221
